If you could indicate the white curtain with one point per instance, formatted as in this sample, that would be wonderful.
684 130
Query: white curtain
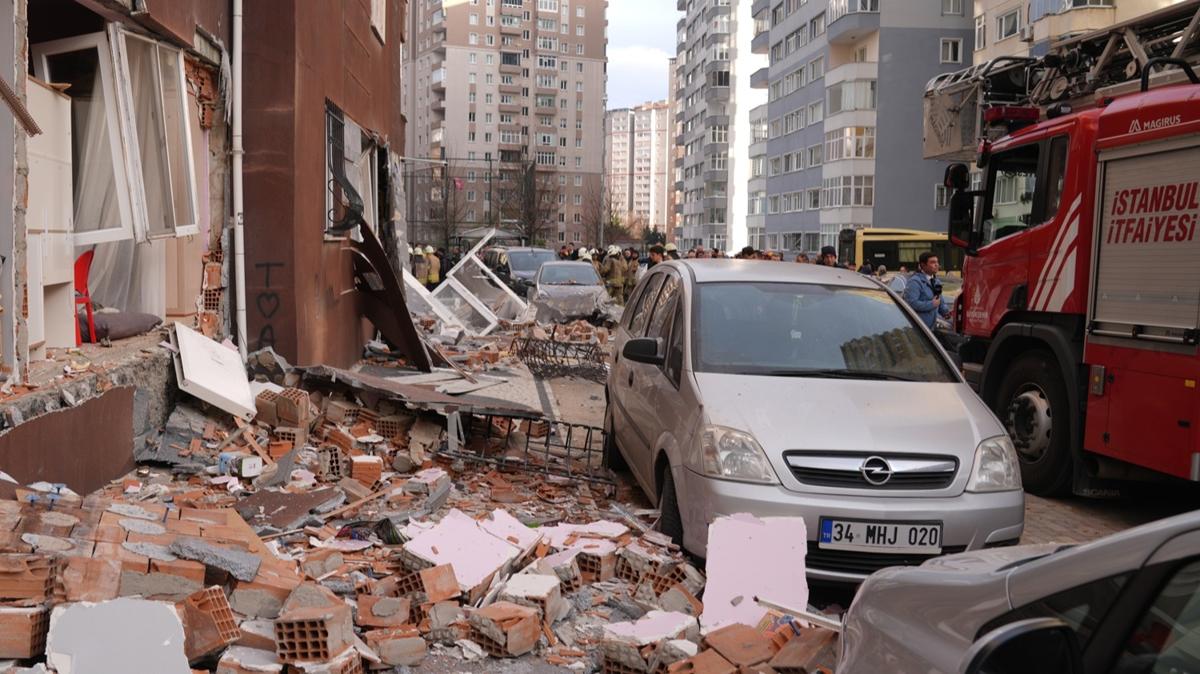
125 275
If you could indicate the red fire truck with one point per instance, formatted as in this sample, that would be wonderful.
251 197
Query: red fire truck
1080 305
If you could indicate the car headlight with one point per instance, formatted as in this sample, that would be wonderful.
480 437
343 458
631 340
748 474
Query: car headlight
996 467
734 455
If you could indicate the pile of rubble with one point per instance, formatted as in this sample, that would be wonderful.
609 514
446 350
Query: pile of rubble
357 522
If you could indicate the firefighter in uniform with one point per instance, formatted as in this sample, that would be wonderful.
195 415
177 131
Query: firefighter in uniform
613 272
632 266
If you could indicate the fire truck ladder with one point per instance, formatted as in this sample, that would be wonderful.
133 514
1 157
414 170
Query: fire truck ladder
1077 70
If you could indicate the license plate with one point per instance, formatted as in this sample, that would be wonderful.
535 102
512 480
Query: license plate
886 537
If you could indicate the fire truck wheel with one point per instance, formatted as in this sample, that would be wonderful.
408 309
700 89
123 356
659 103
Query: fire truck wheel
1031 398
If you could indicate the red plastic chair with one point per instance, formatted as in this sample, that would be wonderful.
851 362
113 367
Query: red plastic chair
83 266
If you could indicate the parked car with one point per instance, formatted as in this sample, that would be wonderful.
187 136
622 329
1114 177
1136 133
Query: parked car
561 280
517 266
786 389
1126 603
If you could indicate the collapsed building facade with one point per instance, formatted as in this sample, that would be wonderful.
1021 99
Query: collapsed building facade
161 171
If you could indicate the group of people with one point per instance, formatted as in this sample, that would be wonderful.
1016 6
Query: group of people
431 265
621 270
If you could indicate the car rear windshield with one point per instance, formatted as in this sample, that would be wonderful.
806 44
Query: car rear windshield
530 260
799 329
570 274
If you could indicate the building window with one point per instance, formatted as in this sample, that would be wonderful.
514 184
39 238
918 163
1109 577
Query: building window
952 7
941 196
951 50
474 20
1071 4
816 68
473 38
815 111
132 142
1008 24
853 95
980 32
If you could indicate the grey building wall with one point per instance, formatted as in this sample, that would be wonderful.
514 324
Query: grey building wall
811 134
904 182
909 34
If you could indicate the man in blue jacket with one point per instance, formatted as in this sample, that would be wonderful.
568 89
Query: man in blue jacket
924 291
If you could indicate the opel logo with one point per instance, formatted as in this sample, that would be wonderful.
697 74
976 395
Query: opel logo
876 470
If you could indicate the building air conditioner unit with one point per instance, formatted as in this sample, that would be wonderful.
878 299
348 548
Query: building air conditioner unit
1027 33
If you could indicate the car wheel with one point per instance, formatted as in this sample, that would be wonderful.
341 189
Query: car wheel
612 454
670 523
1032 404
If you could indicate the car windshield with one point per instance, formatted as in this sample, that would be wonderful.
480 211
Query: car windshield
797 330
570 275
529 260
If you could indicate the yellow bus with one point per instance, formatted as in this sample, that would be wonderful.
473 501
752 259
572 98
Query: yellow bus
895 247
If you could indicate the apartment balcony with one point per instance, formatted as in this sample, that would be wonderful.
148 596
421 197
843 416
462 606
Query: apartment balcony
759 6
439 108
760 79
761 44
437 135
510 68
713 65
851 20
715 94
513 106
711 149
512 88
716 120
716 37
714 10
715 176
510 29
438 79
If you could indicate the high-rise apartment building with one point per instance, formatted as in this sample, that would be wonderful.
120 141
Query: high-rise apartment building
674 154
511 94
639 172
1027 27
839 143
714 99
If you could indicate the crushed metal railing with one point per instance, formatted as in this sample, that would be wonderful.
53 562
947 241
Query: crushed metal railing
571 451
548 358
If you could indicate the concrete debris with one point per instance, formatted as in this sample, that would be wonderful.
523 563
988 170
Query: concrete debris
382 518
239 564
121 635
749 557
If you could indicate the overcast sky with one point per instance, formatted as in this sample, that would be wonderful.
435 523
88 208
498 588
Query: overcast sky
641 37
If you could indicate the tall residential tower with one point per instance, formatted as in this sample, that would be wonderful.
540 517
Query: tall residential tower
505 90
638 171
713 66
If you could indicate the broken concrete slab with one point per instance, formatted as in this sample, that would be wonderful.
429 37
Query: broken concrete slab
459 541
121 635
748 557
655 626
239 564
243 660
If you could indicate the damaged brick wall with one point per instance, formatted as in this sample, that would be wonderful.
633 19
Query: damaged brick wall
298 282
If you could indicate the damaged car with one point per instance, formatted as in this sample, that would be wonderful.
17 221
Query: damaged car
1122 604
798 390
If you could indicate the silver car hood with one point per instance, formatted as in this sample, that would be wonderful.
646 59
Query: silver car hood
923 618
840 415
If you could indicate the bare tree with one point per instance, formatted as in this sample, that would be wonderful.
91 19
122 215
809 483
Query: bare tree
448 204
529 201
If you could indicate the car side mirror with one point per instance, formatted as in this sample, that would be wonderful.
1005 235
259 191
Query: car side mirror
643 350
1033 646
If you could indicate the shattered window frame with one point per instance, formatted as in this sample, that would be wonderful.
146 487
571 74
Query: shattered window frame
129 181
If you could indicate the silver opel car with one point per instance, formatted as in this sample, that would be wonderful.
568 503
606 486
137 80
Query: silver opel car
792 389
